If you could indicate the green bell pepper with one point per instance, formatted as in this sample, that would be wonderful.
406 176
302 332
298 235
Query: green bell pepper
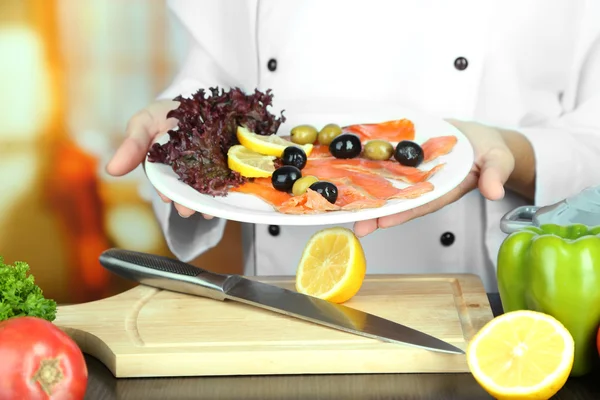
556 270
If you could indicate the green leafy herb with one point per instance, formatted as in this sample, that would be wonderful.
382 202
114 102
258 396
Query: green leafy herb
20 296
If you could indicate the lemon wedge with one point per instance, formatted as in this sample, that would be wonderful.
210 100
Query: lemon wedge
271 145
521 355
332 266
248 163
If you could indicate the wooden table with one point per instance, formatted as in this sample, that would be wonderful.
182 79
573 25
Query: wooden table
102 385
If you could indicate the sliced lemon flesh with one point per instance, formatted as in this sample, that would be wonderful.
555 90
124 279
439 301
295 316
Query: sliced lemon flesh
271 145
521 355
250 164
332 266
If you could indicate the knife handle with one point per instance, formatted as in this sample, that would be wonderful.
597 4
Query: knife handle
165 273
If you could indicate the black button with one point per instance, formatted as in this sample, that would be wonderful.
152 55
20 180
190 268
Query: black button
461 63
274 230
272 64
447 238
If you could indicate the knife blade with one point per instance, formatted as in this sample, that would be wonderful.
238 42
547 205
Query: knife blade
174 275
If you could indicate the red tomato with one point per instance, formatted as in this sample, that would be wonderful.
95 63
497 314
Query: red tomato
39 361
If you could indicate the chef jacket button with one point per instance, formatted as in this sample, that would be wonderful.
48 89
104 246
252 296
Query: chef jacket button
461 63
272 64
274 230
447 239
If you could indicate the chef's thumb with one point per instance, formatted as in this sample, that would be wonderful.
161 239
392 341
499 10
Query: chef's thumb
134 148
496 167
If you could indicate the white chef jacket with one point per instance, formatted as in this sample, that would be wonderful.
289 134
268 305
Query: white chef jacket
533 66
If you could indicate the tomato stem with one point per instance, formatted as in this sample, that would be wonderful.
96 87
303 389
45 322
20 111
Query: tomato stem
49 374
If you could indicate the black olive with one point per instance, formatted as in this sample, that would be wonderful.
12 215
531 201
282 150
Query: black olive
283 178
293 155
325 189
346 145
409 153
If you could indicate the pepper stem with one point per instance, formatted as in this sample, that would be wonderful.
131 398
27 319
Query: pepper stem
48 375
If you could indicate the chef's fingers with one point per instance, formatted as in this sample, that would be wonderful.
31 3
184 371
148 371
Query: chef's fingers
403 217
132 151
455 194
163 197
363 228
184 212
496 167
140 132
128 156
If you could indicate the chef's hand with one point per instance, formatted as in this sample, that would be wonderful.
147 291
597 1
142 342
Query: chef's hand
142 129
494 163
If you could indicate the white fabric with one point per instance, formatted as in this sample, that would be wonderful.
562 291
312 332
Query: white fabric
533 66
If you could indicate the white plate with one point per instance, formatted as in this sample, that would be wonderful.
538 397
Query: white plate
248 208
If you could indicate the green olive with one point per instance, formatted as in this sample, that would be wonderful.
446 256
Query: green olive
304 134
328 133
378 150
302 184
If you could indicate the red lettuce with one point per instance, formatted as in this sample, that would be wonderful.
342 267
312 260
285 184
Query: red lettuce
207 125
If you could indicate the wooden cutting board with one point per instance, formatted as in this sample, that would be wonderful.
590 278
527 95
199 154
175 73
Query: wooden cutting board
146 332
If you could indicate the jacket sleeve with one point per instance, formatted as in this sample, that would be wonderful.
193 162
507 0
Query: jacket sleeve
187 238
567 149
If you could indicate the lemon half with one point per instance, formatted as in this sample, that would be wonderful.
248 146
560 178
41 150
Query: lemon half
332 266
521 355
271 145
248 163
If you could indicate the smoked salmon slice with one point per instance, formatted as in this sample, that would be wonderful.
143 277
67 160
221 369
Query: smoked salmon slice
356 191
263 189
320 151
437 147
392 131
310 202
352 197
387 169
375 185
394 170
349 198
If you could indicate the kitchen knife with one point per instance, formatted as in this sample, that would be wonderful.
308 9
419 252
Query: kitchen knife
169 274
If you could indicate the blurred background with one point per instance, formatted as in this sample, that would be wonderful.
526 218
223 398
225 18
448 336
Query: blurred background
72 72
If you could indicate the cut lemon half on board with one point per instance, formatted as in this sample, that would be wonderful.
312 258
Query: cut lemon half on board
271 145
248 163
521 355
332 266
